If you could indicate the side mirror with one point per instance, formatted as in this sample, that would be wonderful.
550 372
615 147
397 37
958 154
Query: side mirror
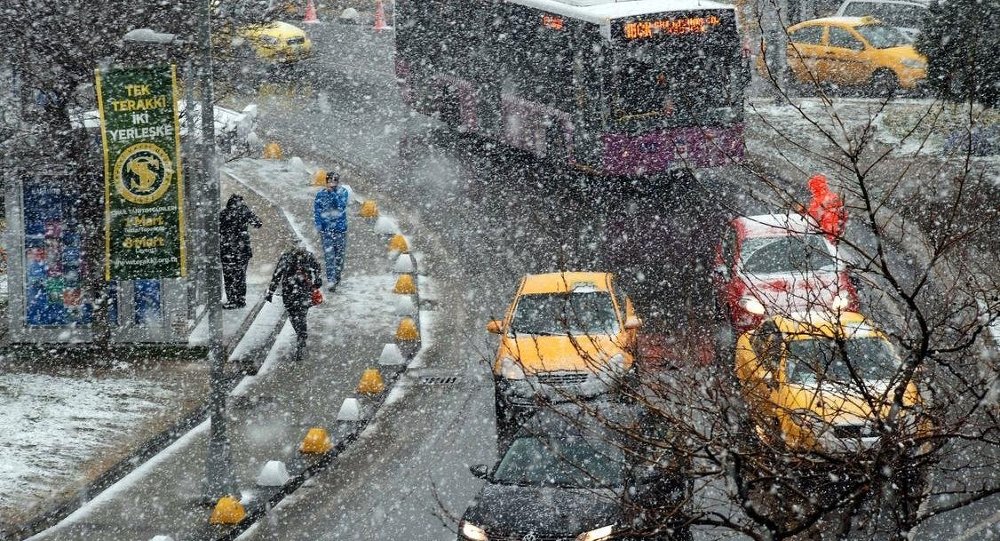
769 380
721 271
480 471
495 326
632 322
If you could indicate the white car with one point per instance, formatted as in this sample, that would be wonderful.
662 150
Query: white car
906 15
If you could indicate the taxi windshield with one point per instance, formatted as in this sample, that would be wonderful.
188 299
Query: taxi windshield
811 360
794 253
564 461
551 314
881 36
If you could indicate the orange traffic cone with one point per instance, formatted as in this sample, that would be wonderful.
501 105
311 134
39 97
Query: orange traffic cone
379 16
310 13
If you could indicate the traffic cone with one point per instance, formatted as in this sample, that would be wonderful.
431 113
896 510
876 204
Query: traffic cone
310 13
379 16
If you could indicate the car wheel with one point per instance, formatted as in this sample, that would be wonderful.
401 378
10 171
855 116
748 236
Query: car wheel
883 84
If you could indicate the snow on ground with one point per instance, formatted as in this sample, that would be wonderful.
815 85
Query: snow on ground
53 422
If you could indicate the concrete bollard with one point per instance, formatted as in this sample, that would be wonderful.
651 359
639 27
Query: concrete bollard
391 358
273 474
404 306
368 209
408 337
386 226
405 285
398 245
272 151
371 382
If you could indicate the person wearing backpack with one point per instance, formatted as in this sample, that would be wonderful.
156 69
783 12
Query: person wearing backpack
298 274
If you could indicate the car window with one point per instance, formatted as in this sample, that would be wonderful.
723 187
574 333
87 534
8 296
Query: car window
845 361
564 461
881 36
811 35
766 344
794 253
590 312
620 295
843 39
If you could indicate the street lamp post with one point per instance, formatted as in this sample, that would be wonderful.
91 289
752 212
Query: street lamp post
219 479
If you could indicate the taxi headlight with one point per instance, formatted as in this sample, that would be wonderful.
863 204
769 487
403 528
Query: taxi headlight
913 64
810 421
595 535
471 531
616 364
841 301
511 369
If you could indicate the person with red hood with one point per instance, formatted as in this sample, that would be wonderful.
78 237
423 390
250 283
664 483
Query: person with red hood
827 208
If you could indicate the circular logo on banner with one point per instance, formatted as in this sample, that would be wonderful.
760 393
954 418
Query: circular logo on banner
142 173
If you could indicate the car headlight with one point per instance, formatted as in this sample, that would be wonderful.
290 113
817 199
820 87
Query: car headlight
616 364
841 301
511 369
913 64
810 421
471 531
752 305
595 535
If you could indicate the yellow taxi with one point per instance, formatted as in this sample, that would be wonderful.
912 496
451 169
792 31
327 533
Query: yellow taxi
278 41
565 335
854 51
823 382
274 42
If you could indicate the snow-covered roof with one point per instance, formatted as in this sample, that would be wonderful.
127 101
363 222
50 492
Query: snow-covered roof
602 12
775 225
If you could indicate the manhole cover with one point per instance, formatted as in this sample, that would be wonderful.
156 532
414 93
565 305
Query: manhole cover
439 380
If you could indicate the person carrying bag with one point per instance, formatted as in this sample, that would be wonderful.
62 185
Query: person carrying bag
298 274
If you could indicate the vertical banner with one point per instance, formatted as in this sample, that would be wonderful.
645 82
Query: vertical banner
143 185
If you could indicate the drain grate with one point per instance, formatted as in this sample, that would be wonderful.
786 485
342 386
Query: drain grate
439 380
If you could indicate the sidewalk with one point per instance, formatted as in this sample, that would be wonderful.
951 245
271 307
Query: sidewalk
71 429
269 413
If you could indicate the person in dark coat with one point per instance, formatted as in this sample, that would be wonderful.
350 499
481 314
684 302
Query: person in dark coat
234 247
298 274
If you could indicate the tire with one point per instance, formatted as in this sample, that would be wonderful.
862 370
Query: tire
883 84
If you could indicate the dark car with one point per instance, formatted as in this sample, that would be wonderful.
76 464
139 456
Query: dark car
578 475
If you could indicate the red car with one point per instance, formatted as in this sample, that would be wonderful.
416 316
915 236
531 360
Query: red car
778 263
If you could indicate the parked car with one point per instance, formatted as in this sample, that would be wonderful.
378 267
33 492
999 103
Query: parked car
778 263
907 16
573 474
823 382
854 51
565 335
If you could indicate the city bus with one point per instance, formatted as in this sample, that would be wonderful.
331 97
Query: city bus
625 88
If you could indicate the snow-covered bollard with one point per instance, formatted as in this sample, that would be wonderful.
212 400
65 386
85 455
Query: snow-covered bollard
404 264
296 165
386 226
348 420
350 411
273 474
405 306
161 538
391 358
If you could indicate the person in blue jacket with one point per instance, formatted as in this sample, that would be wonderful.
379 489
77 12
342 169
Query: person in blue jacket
330 215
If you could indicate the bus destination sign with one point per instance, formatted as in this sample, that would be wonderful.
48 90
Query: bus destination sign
687 25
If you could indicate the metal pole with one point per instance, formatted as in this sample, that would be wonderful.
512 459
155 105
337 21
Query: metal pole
218 472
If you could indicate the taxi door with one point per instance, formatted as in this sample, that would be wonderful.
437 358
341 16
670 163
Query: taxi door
845 60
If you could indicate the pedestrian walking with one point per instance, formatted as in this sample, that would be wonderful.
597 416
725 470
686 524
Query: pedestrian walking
298 274
235 250
330 215
827 208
